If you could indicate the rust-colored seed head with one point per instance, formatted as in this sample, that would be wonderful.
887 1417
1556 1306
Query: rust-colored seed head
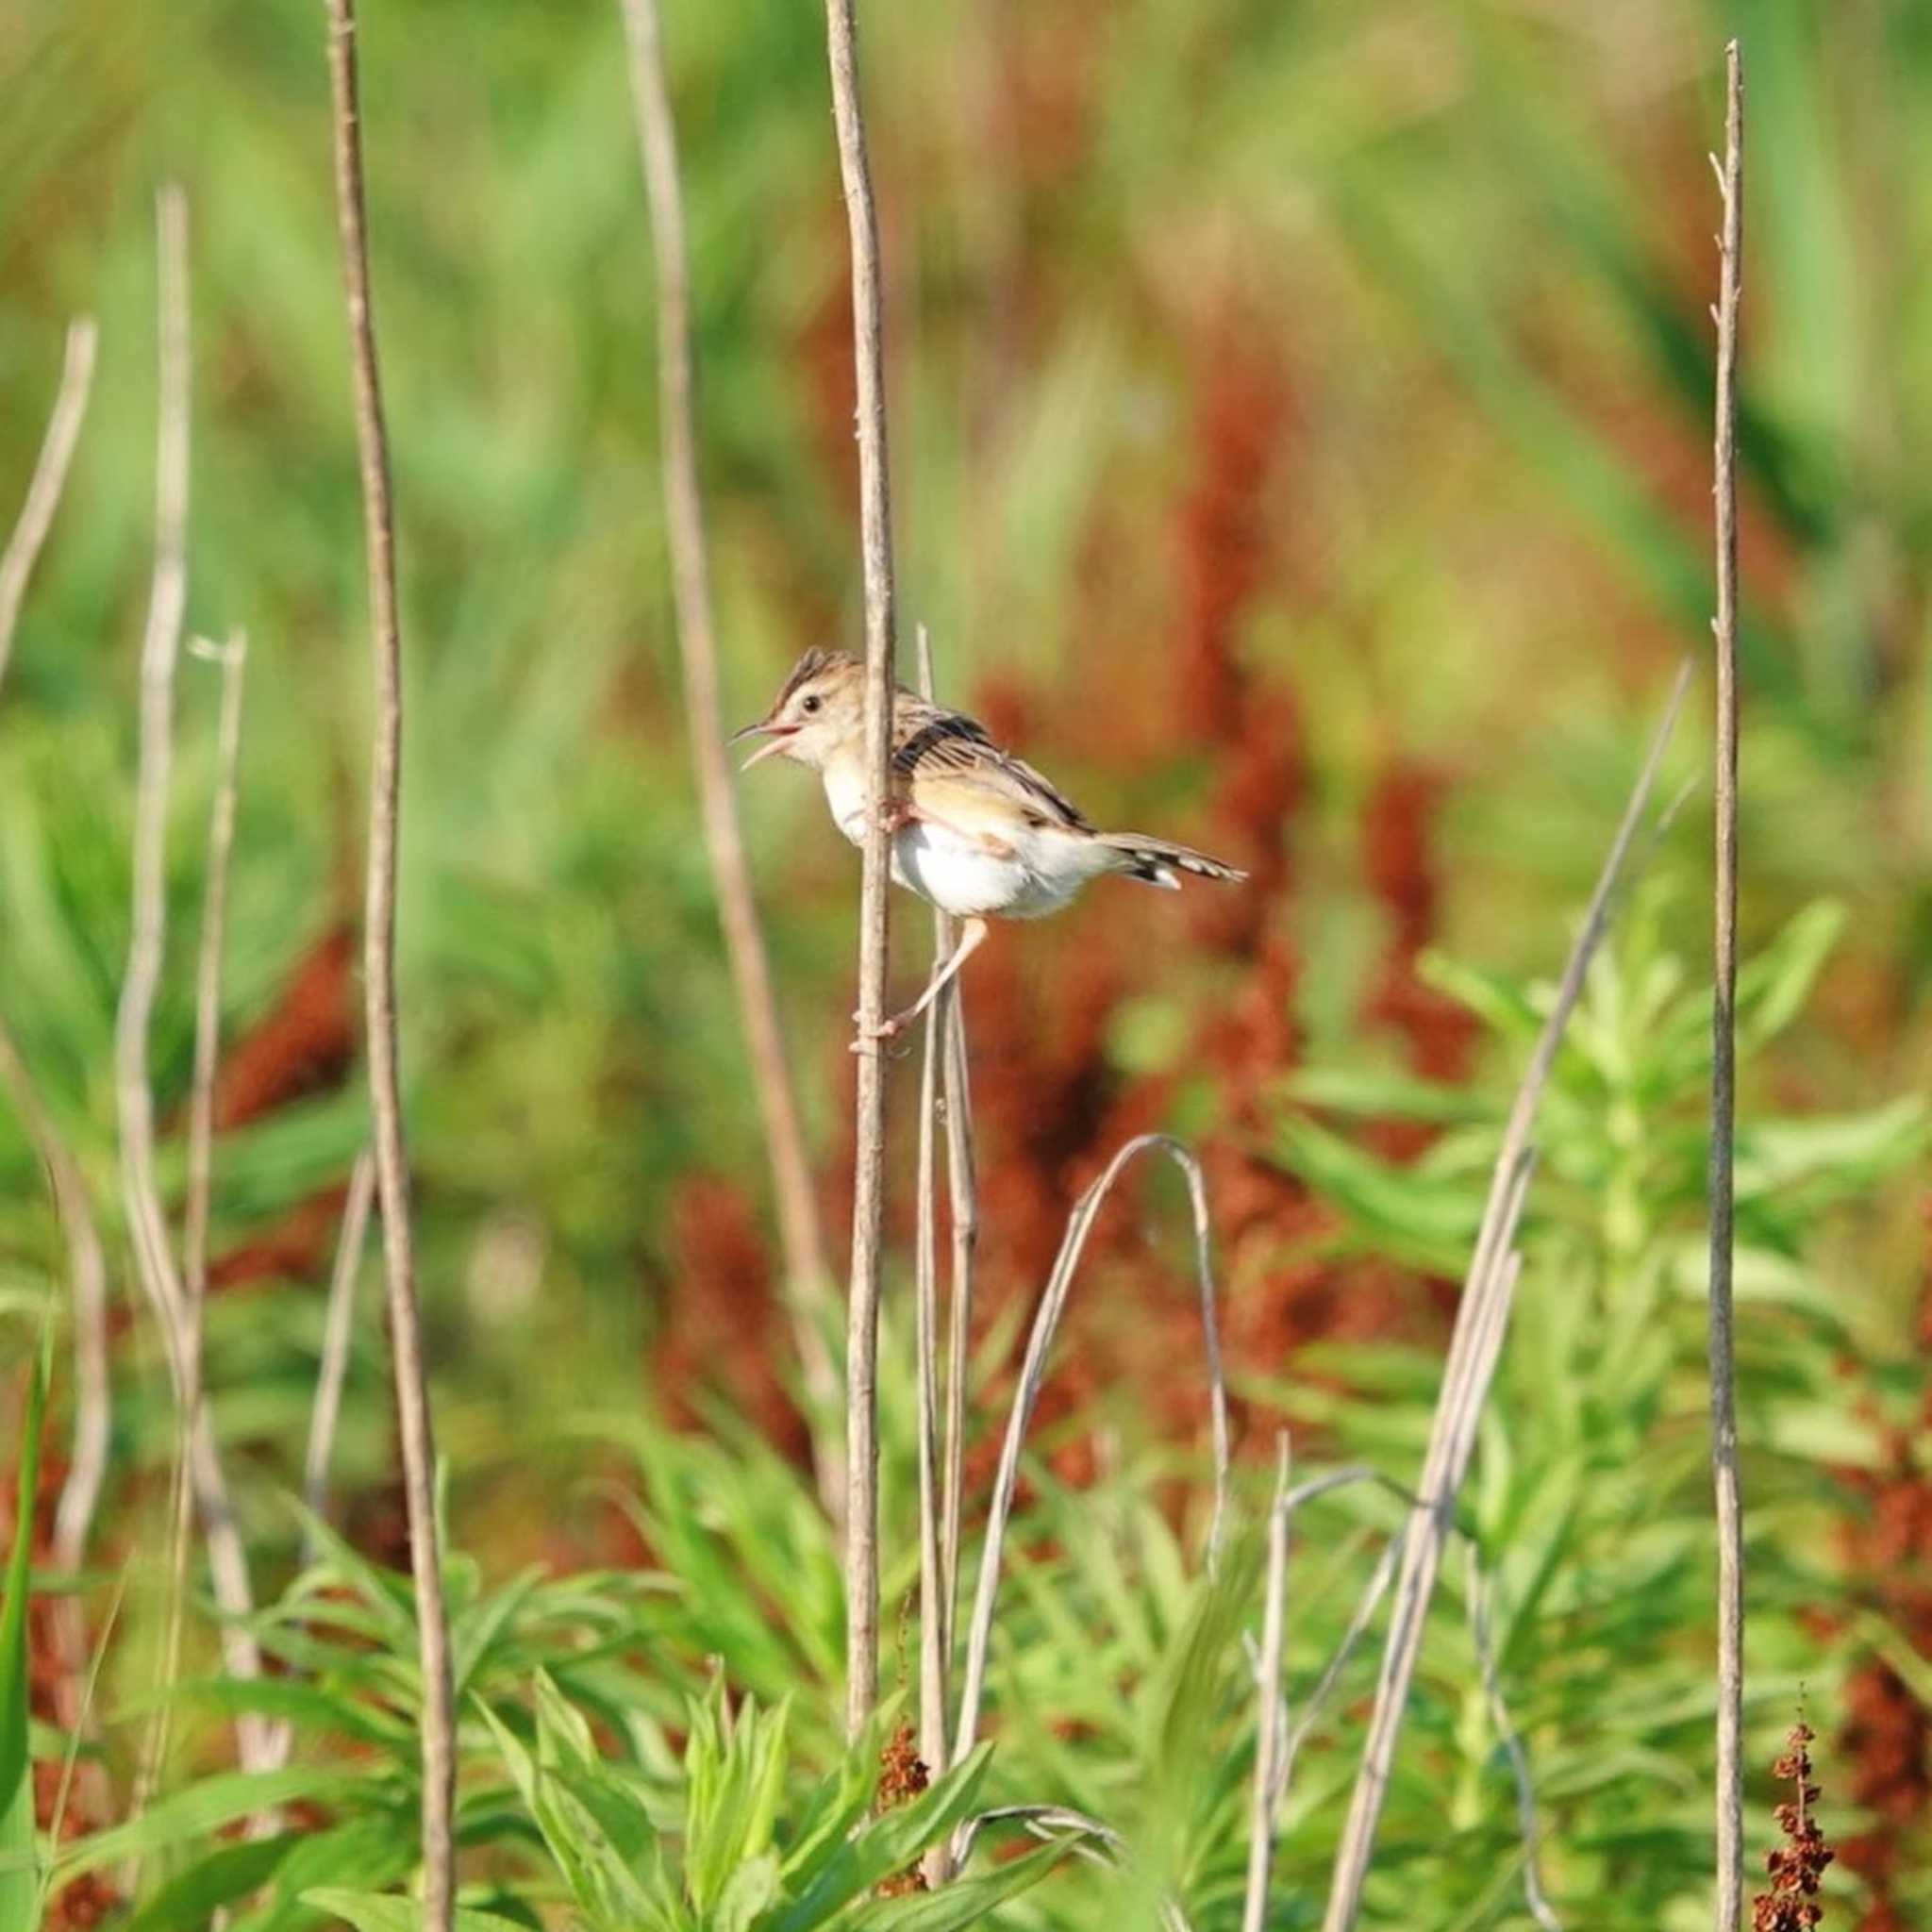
902 1776
1797 1865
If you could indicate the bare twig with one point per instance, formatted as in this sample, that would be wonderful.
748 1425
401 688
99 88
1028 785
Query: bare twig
808 1273
1724 1094
963 1184
86 1260
1033 1374
160 647
1317 1700
379 976
49 479
233 658
1480 1321
198 1463
338 1330
1269 1761
1086 1838
868 1199
1534 1897
935 1601
201 1115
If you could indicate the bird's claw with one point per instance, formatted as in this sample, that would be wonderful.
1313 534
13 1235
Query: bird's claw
881 1036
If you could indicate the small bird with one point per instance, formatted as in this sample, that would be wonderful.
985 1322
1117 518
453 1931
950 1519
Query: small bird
974 830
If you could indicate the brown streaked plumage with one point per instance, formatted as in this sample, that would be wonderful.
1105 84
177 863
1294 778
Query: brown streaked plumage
975 830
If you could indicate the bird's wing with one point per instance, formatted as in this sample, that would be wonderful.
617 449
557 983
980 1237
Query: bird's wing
946 759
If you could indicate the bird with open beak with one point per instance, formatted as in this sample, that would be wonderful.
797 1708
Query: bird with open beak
974 830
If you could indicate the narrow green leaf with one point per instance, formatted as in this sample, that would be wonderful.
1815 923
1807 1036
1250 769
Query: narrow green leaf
375 1911
19 1876
189 1900
964 1902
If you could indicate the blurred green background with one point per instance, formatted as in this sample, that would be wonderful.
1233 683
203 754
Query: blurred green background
1301 434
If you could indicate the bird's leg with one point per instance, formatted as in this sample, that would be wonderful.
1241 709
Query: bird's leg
972 934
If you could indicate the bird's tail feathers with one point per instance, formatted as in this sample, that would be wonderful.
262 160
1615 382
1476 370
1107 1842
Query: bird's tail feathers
1157 860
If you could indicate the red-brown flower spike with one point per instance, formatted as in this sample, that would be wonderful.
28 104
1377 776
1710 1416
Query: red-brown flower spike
1796 1866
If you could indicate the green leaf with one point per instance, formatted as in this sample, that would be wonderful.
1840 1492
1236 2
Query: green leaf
206 1807
380 1848
375 1911
189 1900
964 1902
754 1888
889 1845
18 1876
1775 985
735 1769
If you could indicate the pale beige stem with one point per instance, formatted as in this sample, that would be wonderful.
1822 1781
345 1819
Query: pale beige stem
198 1468
86 1263
1723 1059
1481 1319
1269 1740
807 1273
869 1191
49 479
379 982
936 1595
338 1328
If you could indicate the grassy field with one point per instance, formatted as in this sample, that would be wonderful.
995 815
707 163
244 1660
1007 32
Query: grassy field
1301 426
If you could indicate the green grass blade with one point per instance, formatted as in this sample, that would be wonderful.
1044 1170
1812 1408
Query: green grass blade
19 1878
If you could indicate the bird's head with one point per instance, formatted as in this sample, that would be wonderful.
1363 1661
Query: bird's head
819 710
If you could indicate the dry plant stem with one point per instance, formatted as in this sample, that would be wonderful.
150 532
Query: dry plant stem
806 1271
1540 1907
201 1117
1033 1374
1480 1321
935 1581
337 1331
962 1182
932 1618
87 1261
1267 1743
49 479
233 658
868 1199
1317 1700
963 1199
1723 1394
379 977
199 1467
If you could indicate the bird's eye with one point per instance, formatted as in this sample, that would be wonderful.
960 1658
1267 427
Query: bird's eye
813 703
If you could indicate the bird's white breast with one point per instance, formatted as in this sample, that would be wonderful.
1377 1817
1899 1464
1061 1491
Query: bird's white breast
1041 871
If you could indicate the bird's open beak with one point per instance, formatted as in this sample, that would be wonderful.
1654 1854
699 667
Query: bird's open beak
776 733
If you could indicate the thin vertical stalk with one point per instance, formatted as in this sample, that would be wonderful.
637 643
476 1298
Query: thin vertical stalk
49 479
201 1115
1268 1760
338 1330
198 1465
963 1184
1724 1100
869 1189
1047 1321
807 1273
1476 1592
379 977
233 658
1481 1318
86 1258
935 1591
